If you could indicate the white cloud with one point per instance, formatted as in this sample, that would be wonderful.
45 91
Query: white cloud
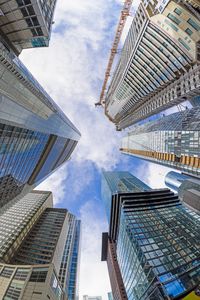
94 277
155 175
55 184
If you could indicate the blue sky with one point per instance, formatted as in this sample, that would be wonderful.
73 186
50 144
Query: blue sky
72 69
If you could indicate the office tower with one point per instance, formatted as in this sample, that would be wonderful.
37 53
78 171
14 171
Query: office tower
26 23
155 247
172 141
37 260
86 297
17 218
69 269
110 296
158 67
187 186
35 135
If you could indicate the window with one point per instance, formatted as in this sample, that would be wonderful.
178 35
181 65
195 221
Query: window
39 275
7 272
174 19
21 274
193 24
178 11
188 31
184 44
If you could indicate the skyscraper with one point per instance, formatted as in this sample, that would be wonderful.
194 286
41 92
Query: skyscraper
17 218
156 245
40 235
69 269
187 186
171 141
35 135
158 67
26 23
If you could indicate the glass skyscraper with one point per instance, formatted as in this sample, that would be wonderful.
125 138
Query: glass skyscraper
33 249
35 135
158 67
156 246
172 141
69 269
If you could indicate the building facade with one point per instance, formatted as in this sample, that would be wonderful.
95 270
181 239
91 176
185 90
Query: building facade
171 141
158 67
36 282
33 240
26 23
187 186
157 248
17 219
69 268
35 135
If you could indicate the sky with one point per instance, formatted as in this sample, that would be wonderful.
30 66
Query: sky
72 70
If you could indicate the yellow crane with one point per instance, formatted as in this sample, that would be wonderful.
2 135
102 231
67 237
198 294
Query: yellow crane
123 16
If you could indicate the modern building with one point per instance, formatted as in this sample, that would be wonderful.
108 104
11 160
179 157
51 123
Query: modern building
17 219
158 67
173 180
154 248
26 23
86 297
172 141
37 249
35 136
187 186
70 264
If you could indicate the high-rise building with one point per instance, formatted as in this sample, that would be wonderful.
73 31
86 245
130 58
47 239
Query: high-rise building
26 23
86 297
155 247
187 186
158 67
17 218
69 269
40 235
174 179
35 135
172 141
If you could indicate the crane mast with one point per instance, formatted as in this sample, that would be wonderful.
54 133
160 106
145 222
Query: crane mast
124 14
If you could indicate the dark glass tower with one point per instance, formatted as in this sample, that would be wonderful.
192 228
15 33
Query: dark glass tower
155 245
35 136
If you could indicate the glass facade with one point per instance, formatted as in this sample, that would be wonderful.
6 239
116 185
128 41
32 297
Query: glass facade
158 251
72 284
173 141
35 135
173 179
119 182
69 268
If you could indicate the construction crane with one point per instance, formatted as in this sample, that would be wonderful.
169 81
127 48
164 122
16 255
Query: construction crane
124 14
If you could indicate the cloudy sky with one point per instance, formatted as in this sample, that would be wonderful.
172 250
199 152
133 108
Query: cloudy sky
72 70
